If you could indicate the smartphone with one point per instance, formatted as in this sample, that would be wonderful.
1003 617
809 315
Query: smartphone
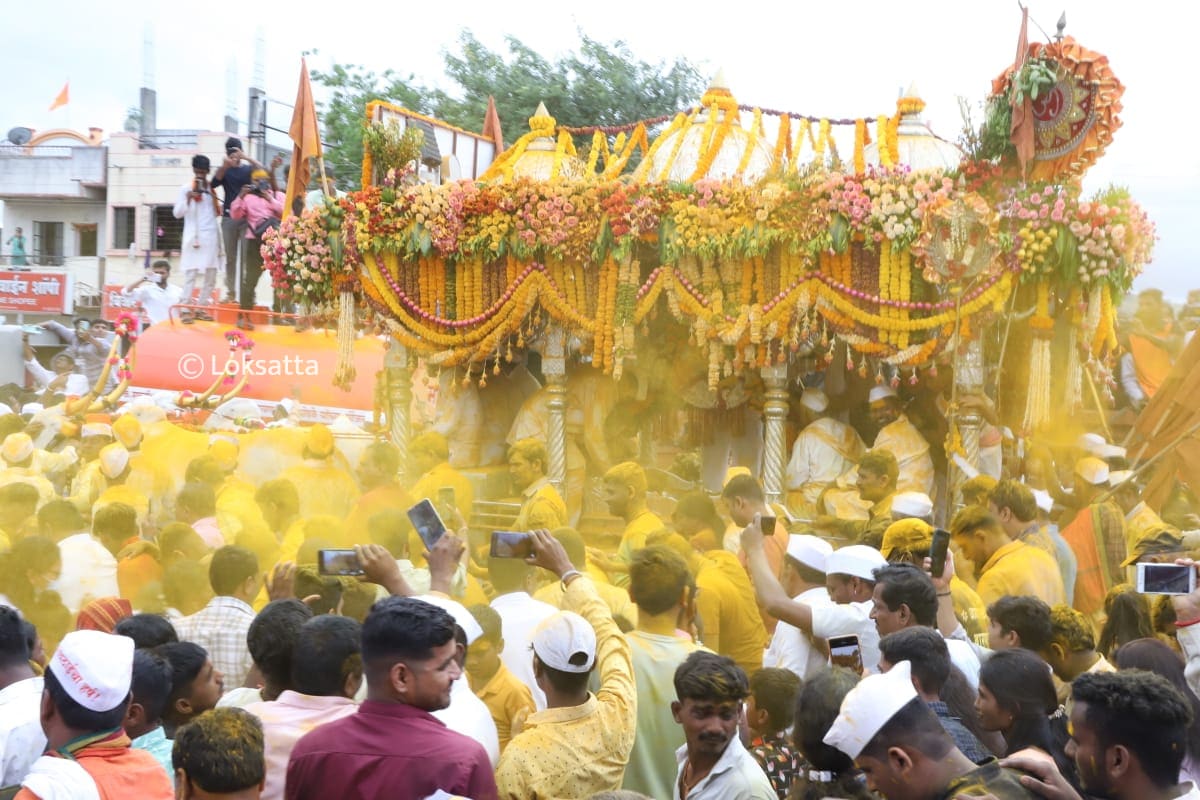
937 552
845 651
338 562
1165 578
511 544
429 525
767 525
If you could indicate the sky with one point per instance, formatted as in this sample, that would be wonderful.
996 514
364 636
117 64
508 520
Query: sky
824 59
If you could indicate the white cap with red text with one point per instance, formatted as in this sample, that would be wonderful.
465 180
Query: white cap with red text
94 668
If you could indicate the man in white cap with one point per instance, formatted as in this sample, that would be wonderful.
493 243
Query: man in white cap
902 439
804 581
17 452
580 744
116 468
902 748
84 702
87 484
1096 535
825 448
850 579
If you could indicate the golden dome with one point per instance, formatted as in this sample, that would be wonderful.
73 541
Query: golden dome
539 154
711 143
918 147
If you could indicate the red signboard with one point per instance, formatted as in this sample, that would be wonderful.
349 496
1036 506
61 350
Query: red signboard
114 303
35 292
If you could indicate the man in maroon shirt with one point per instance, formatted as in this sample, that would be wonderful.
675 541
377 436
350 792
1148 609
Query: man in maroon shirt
393 747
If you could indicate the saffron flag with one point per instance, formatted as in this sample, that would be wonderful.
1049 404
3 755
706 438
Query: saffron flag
306 140
1021 128
63 97
491 125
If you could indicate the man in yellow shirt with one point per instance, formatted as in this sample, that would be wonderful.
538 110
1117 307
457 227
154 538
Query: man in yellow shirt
542 507
509 700
324 486
429 459
878 472
580 744
729 619
625 494
1005 567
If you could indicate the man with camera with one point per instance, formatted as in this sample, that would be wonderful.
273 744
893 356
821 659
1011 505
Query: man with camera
260 204
199 209
231 176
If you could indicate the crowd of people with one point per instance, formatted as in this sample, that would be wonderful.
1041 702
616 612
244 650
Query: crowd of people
182 639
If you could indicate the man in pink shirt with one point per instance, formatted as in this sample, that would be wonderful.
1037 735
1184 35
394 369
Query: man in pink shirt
262 208
324 681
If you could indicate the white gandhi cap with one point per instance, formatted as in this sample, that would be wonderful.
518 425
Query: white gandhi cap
94 668
809 550
858 560
869 706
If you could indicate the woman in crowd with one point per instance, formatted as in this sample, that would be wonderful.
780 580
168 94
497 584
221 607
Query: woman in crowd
1128 618
1017 698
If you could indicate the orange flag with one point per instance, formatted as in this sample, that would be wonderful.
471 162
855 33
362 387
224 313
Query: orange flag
306 140
63 97
491 125
1021 130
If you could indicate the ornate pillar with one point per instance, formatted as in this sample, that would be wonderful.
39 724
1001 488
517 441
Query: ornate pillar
775 411
398 375
969 380
554 367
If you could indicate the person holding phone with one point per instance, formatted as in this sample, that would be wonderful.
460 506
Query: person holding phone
232 174
850 577
197 205
154 292
580 744
260 204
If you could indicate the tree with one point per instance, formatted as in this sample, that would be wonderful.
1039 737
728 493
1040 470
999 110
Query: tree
601 84
343 116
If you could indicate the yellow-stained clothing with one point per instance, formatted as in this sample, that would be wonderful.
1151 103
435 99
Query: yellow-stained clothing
238 513
52 464
1139 522
869 531
725 602
86 486
45 488
825 449
124 493
615 597
154 482
5 542
968 607
580 750
508 700
633 539
542 508
324 488
444 476
1020 569
902 439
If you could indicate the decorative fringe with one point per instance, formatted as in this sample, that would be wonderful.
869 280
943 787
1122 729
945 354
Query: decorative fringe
1037 401
1074 393
345 373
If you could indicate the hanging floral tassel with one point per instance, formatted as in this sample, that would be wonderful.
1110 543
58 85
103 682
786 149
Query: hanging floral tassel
1037 400
1074 393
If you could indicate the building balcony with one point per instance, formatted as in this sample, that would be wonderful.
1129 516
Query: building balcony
53 172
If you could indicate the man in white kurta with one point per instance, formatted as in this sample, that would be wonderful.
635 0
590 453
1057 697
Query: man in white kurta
825 449
902 439
200 211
